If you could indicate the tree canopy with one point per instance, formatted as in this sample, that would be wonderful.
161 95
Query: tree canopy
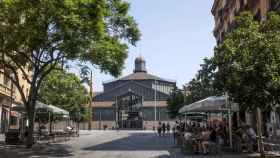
248 62
200 87
175 102
65 90
38 35
204 84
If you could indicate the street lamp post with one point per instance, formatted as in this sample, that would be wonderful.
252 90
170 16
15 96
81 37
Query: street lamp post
155 97
10 110
228 105
90 103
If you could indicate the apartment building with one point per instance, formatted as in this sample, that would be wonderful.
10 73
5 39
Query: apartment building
224 12
10 97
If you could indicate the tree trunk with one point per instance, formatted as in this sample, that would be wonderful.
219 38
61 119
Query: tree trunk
30 139
78 128
259 130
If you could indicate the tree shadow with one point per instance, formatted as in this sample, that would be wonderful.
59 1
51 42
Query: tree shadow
38 150
135 142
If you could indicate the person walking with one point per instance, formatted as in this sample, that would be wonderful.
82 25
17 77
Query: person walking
174 134
168 128
159 128
175 130
163 129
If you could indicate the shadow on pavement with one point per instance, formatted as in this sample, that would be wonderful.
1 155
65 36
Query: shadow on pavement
38 150
135 142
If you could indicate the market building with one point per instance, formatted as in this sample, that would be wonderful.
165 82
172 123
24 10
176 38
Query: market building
135 101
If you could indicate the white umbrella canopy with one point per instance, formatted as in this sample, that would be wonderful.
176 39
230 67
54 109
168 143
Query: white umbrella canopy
41 107
186 108
211 104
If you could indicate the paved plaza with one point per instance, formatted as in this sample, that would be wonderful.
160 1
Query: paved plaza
103 144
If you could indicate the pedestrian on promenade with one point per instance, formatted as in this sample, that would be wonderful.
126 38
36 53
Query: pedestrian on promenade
168 128
174 131
163 129
159 128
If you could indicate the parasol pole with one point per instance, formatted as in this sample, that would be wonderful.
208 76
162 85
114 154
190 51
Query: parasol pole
229 120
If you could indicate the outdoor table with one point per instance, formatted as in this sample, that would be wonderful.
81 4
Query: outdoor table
12 136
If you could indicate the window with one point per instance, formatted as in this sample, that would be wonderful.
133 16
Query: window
6 80
13 121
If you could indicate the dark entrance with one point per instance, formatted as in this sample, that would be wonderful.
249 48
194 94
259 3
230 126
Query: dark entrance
128 111
4 120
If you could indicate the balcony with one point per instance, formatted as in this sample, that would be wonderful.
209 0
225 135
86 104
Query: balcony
5 90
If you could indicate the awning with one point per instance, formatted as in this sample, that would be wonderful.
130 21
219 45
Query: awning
41 108
213 104
195 116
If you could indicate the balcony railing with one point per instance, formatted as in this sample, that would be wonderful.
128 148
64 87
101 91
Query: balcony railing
6 90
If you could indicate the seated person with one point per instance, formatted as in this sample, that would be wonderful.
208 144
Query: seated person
251 138
221 135
187 136
252 134
210 138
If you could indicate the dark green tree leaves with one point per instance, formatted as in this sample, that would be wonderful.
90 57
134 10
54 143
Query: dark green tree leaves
201 87
175 102
38 35
64 90
249 62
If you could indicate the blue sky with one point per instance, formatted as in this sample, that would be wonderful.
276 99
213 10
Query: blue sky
176 36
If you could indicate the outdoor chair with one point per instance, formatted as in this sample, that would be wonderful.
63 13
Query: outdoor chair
237 144
214 148
179 139
274 147
12 136
248 146
187 147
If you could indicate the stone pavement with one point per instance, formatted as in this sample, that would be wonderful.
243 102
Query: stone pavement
104 144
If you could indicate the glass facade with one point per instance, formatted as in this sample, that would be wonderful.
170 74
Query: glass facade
148 113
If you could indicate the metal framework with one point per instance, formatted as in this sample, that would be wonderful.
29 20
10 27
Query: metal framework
128 111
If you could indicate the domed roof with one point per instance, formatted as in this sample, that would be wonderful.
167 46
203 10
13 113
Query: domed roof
140 65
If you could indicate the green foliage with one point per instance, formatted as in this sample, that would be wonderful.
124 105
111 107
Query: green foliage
64 90
175 102
75 29
201 87
38 35
249 62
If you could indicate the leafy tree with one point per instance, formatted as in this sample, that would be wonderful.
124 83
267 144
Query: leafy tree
37 35
201 87
248 62
65 90
175 102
